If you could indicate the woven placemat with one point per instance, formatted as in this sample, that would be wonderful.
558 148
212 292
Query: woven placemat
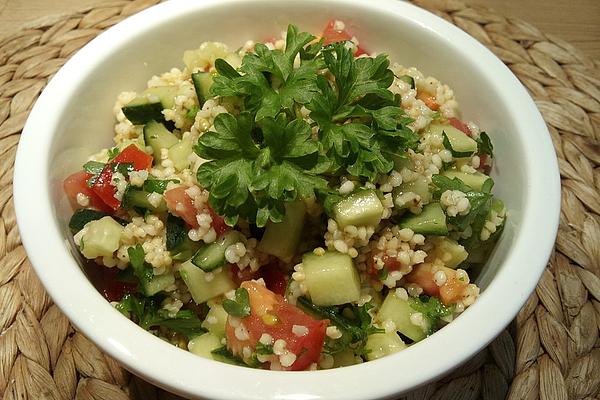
551 351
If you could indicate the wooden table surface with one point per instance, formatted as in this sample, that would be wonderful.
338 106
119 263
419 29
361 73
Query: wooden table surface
577 21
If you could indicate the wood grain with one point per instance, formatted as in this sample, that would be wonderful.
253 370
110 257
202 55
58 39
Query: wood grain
577 21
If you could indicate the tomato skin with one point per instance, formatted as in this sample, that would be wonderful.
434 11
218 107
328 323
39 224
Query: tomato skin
389 264
106 281
182 205
238 276
77 183
132 154
450 292
461 126
218 223
330 35
274 277
265 303
105 190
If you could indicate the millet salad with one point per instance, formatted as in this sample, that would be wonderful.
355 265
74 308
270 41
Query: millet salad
297 204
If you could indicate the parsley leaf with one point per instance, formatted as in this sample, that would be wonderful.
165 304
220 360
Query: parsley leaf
142 271
432 309
146 312
240 307
484 145
93 167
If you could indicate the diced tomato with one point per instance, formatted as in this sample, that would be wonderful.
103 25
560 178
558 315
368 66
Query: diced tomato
182 205
218 223
77 183
428 100
275 278
458 124
238 276
389 264
103 188
132 154
107 282
450 292
331 35
269 313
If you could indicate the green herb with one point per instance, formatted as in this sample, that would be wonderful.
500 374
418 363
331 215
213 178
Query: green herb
93 167
82 216
269 81
484 145
480 202
253 182
264 349
176 231
122 168
355 330
240 307
113 152
157 186
432 309
361 126
408 79
223 354
146 312
142 270
191 114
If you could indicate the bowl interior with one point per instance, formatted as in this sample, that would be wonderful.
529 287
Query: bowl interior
80 122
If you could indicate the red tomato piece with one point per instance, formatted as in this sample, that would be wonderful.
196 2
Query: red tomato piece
238 276
106 281
275 278
269 313
450 292
389 264
428 100
77 183
458 124
132 154
218 223
182 205
331 35
103 188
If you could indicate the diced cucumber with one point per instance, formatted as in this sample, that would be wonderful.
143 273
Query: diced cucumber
158 283
204 287
359 209
204 344
165 94
202 84
345 358
431 221
140 110
408 79
158 137
458 142
281 240
139 198
449 251
331 278
83 216
212 256
418 186
180 152
149 105
399 311
475 181
215 320
101 238
383 344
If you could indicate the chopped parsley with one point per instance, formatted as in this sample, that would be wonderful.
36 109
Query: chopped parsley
240 307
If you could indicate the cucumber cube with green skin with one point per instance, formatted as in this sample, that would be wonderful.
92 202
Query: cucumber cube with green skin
383 344
204 344
281 239
475 181
449 251
399 311
215 320
180 153
461 145
203 288
158 137
101 238
149 105
331 279
202 83
431 221
419 186
158 284
359 209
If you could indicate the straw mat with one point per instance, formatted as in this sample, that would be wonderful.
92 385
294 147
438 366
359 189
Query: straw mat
551 351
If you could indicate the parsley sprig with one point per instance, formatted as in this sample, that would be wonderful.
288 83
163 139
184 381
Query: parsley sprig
268 154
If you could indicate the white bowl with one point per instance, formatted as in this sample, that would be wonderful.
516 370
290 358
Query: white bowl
73 118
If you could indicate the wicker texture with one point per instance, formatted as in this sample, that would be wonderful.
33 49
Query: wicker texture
552 350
